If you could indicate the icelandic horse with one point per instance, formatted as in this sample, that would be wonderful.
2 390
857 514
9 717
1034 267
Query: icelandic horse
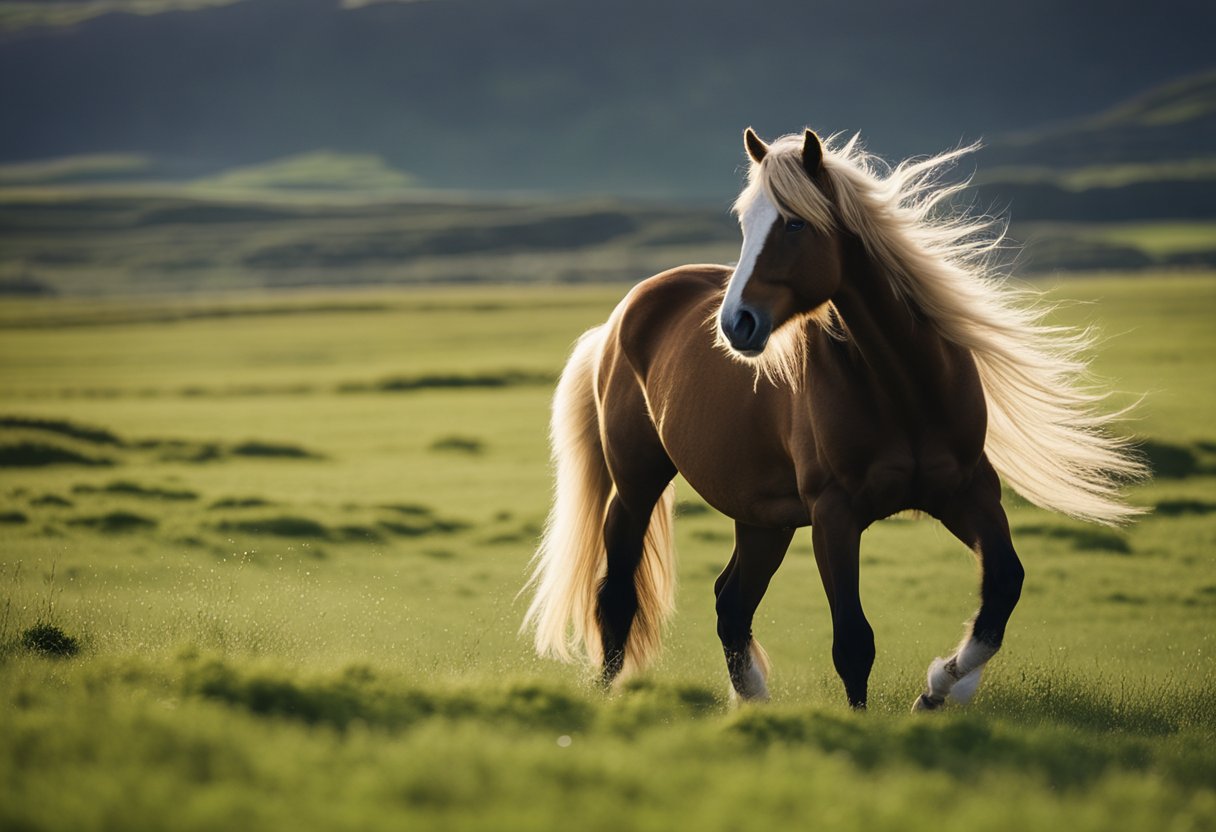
863 358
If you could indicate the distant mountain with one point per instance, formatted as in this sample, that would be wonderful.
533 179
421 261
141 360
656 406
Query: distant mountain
1175 121
1151 157
633 97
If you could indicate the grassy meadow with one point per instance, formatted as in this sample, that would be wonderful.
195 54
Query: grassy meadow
285 532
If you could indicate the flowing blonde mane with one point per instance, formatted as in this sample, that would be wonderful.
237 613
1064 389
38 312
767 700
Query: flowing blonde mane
1047 435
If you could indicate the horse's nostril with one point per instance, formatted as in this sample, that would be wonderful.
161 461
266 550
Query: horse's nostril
745 325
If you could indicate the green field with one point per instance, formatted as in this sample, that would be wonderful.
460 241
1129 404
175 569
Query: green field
287 532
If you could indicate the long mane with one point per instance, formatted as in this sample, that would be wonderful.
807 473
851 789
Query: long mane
1048 436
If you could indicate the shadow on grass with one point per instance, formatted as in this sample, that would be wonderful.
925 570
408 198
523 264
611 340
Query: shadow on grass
30 454
409 509
422 527
133 489
1068 734
284 526
409 384
358 695
240 502
84 433
1170 461
690 508
1179 508
1078 538
272 449
458 444
52 500
115 522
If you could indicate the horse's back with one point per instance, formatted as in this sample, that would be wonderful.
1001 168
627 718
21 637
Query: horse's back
674 302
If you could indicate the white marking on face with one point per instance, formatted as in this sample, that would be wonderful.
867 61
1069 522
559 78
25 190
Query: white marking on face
756 221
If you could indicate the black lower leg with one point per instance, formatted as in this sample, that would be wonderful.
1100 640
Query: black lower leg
853 656
837 539
617 600
1000 589
758 553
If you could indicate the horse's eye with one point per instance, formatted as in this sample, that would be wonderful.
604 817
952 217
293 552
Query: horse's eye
795 225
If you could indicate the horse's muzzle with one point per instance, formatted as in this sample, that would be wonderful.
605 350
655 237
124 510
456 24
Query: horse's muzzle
747 330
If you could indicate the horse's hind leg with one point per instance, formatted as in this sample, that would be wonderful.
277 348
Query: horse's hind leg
758 553
977 519
641 472
617 601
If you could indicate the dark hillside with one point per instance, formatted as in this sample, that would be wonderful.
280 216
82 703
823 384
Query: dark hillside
630 97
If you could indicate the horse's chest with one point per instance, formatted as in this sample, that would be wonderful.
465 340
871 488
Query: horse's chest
887 457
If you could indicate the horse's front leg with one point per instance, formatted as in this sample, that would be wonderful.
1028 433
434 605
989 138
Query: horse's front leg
758 553
977 519
837 537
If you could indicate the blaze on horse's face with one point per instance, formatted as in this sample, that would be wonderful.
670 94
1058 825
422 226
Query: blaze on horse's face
787 267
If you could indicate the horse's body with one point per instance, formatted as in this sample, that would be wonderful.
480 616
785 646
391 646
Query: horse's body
864 405
891 420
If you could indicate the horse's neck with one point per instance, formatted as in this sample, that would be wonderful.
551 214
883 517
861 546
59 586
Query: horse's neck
896 345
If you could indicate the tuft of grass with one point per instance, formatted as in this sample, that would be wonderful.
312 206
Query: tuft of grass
49 640
15 518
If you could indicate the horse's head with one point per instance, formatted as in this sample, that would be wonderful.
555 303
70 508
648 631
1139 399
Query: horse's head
790 264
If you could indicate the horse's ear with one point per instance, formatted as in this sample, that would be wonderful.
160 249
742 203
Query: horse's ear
812 153
756 148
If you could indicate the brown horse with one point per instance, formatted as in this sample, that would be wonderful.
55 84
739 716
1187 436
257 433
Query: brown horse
861 359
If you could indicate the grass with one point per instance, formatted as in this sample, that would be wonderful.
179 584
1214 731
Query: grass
330 641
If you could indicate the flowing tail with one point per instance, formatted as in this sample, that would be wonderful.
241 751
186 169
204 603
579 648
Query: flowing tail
571 561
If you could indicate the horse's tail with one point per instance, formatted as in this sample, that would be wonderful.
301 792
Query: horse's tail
1050 443
571 561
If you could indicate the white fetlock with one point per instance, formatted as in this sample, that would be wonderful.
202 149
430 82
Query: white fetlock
755 680
966 687
940 679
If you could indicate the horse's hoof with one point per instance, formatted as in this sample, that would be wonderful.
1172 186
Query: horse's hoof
925 702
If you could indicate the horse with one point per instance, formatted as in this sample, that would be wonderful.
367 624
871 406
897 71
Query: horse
865 357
